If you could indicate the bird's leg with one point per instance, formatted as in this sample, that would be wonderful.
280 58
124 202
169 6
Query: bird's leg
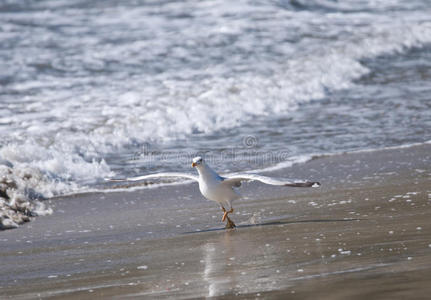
229 223
224 215
226 212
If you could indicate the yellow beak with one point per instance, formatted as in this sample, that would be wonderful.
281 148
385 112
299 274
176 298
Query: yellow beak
194 165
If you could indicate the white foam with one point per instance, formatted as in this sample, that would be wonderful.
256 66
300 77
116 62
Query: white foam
144 267
52 172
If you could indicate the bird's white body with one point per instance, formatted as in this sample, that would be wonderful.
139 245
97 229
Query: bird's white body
212 187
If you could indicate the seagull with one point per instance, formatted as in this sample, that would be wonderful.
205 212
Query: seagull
221 189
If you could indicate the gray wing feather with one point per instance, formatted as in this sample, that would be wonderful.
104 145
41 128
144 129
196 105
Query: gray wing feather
156 175
235 180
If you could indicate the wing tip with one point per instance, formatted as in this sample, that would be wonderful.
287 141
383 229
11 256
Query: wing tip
114 179
313 184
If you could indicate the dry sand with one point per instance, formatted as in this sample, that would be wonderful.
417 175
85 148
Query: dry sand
365 233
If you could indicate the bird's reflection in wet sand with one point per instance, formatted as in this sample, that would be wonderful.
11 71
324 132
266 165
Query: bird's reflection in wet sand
219 270
231 264
262 258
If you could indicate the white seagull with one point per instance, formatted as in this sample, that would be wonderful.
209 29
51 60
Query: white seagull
221 189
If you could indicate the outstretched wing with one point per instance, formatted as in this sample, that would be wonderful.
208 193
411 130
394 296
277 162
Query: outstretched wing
235 180
156 175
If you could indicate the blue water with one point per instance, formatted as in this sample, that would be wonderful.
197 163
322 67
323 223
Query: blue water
90 89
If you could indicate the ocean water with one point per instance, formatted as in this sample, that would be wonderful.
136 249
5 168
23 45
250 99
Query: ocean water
91 89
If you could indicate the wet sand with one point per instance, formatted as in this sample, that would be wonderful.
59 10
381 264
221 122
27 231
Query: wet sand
365 233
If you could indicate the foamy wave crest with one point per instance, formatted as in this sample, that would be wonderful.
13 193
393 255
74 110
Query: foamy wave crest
37 174
220 102
56 172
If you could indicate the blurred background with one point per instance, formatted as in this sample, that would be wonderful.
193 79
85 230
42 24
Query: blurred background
90 89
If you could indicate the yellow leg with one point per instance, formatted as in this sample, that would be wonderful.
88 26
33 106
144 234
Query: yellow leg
226 212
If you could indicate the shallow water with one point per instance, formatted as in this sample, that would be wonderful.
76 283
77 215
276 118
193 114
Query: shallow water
89 90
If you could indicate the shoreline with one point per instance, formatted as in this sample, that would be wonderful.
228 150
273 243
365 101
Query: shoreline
168 242
24 208
296 160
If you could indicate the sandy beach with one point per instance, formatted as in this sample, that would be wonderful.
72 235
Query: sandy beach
365 233
336 92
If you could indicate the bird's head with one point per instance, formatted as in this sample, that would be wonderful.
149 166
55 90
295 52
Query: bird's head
197 161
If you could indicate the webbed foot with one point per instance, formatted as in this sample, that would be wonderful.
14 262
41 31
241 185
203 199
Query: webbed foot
229 224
